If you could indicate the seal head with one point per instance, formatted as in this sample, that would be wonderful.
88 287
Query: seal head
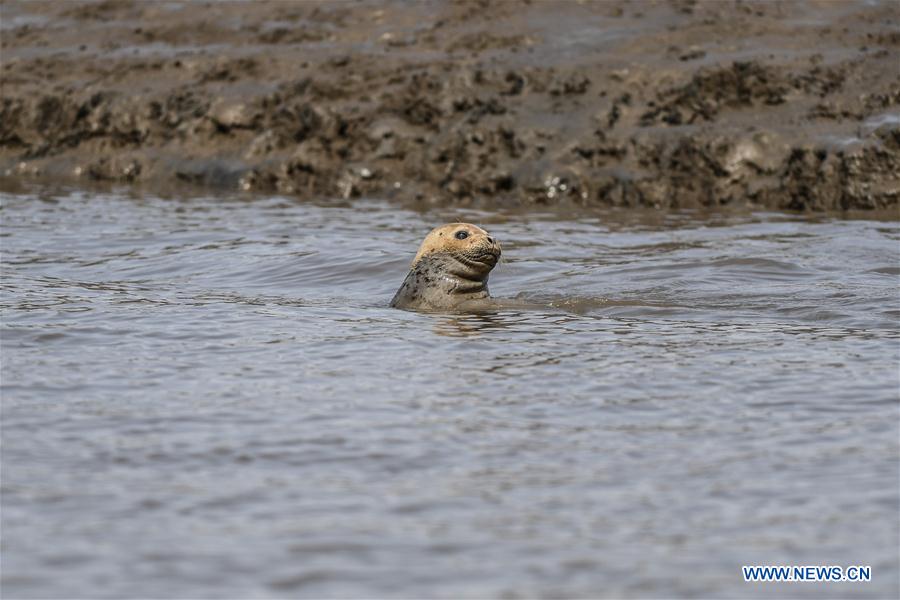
450 270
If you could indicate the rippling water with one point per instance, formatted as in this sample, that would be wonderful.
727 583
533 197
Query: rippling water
209 397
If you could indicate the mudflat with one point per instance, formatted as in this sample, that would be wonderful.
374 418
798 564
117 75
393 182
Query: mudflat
679 104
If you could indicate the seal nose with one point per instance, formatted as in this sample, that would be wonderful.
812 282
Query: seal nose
490 239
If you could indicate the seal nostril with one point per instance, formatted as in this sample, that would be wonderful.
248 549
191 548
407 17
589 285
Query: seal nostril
490 239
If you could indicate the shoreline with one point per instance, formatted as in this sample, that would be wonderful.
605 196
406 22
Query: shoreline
683 105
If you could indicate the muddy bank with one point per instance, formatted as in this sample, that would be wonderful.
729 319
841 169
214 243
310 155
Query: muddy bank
782 105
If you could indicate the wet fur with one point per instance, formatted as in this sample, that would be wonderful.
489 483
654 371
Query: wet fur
448 273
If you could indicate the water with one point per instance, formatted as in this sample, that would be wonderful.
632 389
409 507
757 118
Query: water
208 397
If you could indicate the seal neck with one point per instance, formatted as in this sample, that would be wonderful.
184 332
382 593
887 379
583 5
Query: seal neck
455 276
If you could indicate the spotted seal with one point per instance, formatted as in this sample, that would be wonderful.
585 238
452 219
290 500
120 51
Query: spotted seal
450 270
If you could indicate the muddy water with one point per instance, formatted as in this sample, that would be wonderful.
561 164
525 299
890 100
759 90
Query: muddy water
208 397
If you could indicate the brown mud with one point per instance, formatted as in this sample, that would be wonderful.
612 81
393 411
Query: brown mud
665 104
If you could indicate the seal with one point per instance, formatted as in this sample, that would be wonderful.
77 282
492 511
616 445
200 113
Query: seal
450 270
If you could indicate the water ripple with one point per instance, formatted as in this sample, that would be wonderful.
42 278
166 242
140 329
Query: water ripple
210 397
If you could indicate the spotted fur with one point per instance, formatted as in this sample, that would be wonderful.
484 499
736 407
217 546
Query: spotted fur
448 272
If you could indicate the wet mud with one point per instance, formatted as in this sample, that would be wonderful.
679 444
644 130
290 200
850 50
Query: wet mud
676 104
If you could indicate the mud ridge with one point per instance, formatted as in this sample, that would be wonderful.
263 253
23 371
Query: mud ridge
790 106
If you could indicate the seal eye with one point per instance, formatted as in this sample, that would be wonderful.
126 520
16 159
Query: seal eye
461 235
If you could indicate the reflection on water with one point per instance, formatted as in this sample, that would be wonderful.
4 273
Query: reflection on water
210 397
471 325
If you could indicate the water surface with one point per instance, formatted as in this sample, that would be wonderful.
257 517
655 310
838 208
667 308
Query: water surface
209 397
